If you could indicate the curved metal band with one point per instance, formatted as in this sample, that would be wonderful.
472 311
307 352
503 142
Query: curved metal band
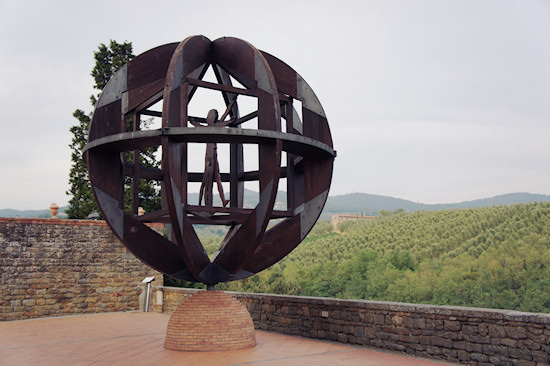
295 144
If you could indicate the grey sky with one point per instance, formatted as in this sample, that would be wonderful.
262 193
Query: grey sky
433 101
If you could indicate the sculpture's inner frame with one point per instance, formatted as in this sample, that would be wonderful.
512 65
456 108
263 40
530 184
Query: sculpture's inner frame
172 74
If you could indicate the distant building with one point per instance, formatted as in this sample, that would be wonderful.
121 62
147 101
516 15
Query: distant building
336 219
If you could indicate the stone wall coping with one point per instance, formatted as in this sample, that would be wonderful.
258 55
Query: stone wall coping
456 311
57 221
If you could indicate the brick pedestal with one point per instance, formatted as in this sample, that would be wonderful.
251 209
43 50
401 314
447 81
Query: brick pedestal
210 321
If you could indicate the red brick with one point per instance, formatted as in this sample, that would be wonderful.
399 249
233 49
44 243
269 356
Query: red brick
210 321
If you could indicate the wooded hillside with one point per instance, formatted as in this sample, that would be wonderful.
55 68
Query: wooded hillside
494 257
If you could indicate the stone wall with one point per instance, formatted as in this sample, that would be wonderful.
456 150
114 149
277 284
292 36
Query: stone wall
52 267
457 334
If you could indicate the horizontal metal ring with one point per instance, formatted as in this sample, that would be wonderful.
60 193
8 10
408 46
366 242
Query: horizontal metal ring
291 143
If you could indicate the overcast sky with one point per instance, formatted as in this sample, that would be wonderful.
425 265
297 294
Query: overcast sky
434 101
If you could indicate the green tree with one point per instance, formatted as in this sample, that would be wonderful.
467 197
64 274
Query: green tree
108 59
82 202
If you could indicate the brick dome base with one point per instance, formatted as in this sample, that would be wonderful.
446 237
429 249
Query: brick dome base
210 321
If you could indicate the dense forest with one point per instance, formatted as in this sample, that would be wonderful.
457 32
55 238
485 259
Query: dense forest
494 257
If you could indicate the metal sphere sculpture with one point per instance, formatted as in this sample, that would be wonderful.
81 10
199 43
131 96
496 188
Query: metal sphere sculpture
171 75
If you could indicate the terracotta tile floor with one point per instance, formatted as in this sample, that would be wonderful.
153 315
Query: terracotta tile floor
138 339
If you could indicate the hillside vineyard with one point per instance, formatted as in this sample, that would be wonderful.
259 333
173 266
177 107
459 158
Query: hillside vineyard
494 257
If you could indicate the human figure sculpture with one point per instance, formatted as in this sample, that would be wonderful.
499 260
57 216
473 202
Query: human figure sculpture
211 165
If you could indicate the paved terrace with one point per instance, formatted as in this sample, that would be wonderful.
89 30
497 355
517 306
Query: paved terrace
137 338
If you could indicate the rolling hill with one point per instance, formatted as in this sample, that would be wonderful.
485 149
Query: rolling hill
353 203
490 257
371 204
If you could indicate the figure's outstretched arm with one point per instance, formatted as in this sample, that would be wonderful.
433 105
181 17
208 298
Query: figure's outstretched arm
195 123
221 122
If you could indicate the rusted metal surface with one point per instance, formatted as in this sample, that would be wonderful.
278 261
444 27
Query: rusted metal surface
173 74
